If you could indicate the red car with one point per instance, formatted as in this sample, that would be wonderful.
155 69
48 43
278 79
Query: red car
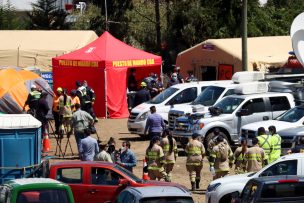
97 181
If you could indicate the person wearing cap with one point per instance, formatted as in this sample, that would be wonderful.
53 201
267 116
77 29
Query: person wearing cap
155 124
220 159
75 99
155 86
42 111
142 95
276 142
80 121
65 112
88 147
55 109
173 80
32 100
195 155
103 155
155 160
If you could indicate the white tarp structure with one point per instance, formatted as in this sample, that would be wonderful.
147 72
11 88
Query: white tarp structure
37 48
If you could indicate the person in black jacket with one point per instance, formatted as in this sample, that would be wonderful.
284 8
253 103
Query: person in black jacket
42 111
142 95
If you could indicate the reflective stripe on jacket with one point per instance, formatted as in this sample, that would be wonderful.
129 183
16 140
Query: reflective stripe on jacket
275 153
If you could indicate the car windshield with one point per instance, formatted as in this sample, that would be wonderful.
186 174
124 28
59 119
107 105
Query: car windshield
48 195
209 96
129 174
167 200
163 96
229 104
292 115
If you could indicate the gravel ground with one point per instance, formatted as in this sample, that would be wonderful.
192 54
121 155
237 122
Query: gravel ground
117 128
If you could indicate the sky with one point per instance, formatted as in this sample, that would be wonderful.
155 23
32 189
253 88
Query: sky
26 4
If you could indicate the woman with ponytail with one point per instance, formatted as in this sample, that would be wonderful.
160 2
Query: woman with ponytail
155 160
169 146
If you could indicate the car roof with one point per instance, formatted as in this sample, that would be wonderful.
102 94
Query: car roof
201 83
81 163
28 181
159 191
275 179
259 95
291 156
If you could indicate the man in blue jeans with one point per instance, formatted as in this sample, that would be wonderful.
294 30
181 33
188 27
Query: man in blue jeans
155 123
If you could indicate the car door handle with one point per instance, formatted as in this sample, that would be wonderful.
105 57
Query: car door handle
93 191
265 118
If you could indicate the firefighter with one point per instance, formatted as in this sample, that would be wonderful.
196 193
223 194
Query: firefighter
32 100
238 155
56 109
142 95
265 142
65 111
254 157
155 159
169 146
81 93
195 154
221 159
213 142
276 141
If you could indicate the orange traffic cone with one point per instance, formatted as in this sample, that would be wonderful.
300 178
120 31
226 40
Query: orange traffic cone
145 170
46 142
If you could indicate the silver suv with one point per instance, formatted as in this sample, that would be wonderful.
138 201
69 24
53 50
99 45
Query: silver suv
156 194
230 114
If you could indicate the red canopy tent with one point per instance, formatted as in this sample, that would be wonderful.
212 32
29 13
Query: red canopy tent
104 64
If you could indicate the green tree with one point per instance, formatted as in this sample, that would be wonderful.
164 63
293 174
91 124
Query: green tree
91 19
47 16
9 20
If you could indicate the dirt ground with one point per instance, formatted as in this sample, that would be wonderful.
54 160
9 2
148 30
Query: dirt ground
117 128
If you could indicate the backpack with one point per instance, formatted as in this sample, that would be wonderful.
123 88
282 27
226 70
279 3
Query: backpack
223 150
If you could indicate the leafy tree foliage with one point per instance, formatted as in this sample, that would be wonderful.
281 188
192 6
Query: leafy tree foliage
9 20
47 16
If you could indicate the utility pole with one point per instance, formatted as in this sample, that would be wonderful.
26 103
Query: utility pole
106 14
244 36
157 18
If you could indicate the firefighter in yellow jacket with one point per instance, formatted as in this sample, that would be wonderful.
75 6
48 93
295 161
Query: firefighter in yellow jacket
169 146
195 154
276 141
155 160
221 159
265 142
239 154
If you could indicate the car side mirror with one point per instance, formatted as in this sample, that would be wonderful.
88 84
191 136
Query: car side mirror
123 182
243 112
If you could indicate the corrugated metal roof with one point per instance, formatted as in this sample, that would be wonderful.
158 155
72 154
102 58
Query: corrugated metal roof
18 121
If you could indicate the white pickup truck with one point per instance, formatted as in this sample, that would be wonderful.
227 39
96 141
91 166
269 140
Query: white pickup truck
176 95
220 190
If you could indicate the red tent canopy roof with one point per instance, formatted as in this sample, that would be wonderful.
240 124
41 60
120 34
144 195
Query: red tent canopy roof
113 52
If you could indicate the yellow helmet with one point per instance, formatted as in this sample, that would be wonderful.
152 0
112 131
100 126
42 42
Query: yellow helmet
59 89
143 84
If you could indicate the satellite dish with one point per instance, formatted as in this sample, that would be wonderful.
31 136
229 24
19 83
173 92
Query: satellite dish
297 24
298 45
297 37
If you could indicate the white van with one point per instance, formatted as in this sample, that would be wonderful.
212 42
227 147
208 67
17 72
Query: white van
176 95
